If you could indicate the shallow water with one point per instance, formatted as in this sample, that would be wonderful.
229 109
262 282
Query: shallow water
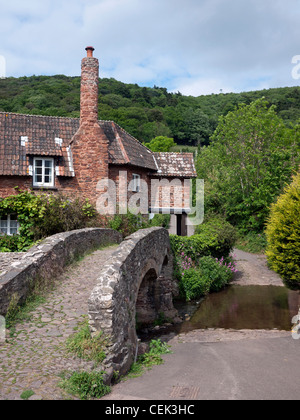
243 307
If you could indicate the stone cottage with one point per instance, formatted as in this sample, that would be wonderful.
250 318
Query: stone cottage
72 156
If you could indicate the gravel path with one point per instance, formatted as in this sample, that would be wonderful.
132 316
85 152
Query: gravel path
253 270
35 357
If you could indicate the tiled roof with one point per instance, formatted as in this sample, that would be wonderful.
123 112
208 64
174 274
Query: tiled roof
124 149
25 135
22 136
175 164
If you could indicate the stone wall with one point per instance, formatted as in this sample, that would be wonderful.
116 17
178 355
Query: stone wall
137 278
20 271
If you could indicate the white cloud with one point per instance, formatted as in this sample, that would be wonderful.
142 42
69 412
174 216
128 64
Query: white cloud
196 46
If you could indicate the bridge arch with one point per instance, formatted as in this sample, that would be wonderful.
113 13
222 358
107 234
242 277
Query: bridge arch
135 286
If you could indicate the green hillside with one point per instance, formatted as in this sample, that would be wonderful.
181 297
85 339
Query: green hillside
144 112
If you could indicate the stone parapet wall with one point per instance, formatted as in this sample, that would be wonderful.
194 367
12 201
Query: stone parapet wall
20 271
139 270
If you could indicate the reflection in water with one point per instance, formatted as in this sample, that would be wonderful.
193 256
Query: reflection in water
246 307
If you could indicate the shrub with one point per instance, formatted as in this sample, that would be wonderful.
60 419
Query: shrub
128 223
194 284
60 214
42 215
209 275
216 238
219 234
162 220
219 272
9 243
283 235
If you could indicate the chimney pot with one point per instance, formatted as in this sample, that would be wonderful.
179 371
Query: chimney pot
90 51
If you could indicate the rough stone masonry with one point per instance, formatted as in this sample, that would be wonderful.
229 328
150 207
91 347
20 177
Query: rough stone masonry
135 283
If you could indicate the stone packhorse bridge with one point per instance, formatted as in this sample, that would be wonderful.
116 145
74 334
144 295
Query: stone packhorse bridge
134 287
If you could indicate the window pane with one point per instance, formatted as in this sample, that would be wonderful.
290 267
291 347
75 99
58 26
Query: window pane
3 223
3 230
38 163
38 178
13 224
13 231
39 171
48 163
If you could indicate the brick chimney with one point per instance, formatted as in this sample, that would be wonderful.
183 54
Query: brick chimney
89 145
89 88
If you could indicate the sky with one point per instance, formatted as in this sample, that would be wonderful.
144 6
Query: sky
196 47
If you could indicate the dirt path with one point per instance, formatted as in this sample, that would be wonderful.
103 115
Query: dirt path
35 357
253 269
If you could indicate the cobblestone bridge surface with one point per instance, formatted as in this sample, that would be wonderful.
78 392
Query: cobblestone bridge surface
35 356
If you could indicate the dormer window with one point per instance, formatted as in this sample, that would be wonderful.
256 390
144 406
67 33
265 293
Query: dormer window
43 172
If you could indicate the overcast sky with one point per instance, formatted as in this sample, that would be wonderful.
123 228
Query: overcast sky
196 47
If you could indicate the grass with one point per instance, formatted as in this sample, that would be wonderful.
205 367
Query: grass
252 242
17 313
149 359
85 385
86 347
27 394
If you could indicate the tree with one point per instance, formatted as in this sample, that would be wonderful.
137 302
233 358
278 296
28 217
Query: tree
161 144
251 157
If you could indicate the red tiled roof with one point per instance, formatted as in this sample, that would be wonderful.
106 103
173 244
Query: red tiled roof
25 135
175 164
22 136
124 149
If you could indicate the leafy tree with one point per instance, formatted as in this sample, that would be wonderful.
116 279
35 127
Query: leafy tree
161 144
251 157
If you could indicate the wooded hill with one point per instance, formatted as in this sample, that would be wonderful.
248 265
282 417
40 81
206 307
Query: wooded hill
144 112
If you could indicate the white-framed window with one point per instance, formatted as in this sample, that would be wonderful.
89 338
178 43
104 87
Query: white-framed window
9 225
43 172
136 183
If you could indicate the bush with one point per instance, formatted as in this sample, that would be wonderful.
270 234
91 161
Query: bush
42 215
208 275
128 223
216 238
162 220
194 284
283 235
9 243
218 272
